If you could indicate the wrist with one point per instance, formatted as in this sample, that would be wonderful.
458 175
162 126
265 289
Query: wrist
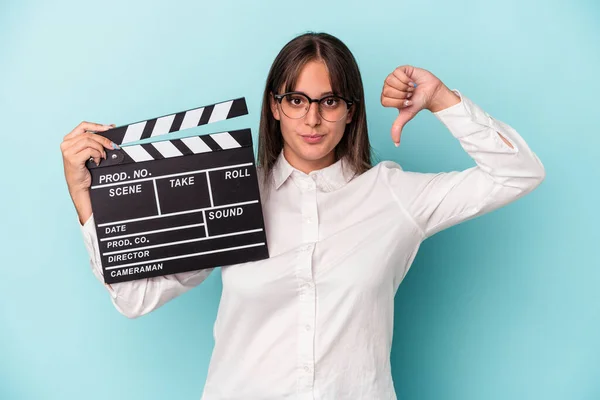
442 99
77 193
82 203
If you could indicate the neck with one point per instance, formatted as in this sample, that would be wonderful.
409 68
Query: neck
308 166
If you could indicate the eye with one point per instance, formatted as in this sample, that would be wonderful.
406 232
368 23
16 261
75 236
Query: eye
331 102
295 100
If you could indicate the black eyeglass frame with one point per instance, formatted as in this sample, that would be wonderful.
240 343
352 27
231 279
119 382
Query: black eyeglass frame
349 103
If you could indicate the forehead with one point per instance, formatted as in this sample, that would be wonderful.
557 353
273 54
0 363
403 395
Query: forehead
313 79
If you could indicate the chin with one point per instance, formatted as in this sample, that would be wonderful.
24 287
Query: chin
313 152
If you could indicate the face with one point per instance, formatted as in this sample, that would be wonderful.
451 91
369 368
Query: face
309 142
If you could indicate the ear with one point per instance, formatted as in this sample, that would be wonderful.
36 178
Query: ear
350 114
274 108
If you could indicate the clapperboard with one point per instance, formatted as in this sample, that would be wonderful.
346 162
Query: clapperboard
177 205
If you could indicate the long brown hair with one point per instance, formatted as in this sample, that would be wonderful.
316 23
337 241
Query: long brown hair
345 80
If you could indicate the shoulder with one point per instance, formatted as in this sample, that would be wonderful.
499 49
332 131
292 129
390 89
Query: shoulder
384 173
379 171
260 171
397 178
265 181
387 169
388 165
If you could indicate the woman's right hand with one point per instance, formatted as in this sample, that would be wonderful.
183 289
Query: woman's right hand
77 147
81 144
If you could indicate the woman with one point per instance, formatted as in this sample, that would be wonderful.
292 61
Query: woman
315 319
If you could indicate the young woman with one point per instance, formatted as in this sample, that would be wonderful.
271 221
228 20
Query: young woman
314 321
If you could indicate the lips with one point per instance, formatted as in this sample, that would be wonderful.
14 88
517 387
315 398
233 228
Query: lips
312 138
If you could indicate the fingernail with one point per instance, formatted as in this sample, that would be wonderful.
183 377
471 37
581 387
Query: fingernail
407 102
97 163
413 84
409 95
115 146
396 144
113 125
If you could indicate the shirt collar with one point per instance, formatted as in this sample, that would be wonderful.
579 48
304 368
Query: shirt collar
328 179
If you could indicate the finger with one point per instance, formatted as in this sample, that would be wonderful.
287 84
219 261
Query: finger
85 142
105 142
393 93
85 154
404 74
396 103
88 126
393 81
73 146
398 125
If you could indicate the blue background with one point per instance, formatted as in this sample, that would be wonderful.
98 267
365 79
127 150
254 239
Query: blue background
506 306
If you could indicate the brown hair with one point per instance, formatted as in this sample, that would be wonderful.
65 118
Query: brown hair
345 80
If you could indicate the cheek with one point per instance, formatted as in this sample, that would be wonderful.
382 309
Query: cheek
288 127
338 128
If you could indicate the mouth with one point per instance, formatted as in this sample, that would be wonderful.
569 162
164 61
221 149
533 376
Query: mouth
312 138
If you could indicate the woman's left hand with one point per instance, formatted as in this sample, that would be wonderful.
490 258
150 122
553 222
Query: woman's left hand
410 90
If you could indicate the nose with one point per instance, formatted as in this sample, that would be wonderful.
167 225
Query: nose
312 117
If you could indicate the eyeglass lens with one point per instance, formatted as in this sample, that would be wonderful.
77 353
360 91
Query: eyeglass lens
331 108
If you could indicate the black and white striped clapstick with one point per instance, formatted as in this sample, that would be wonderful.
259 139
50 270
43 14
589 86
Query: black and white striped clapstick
123 135
180 121
182 147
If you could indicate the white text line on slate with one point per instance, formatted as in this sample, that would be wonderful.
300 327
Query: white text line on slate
188 255
170 175
181 242
178 213
176 228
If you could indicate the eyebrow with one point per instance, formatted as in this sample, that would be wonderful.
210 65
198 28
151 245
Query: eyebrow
323 94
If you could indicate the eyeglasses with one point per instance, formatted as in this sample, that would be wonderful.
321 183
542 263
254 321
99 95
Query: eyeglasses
295 105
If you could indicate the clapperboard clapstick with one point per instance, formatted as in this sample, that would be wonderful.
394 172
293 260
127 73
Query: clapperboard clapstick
177 205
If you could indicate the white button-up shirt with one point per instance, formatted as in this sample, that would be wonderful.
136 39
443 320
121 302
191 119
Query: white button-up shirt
315 320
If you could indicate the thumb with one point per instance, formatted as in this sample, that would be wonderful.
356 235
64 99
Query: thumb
403 117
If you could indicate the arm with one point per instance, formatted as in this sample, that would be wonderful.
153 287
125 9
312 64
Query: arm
506 169
447 99
132 298
139 297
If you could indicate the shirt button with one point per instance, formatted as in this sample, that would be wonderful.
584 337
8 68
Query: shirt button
306 368
307 327
308 220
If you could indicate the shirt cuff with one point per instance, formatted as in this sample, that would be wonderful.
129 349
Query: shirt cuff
465 117
88 224
90 238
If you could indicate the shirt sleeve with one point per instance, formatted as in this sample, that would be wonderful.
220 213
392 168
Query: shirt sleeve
139 297
502 174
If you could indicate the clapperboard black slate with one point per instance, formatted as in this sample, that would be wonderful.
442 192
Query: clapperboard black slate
177 205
